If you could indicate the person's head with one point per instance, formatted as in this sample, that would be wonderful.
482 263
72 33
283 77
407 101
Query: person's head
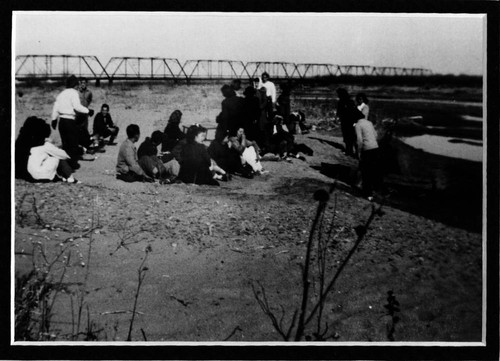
227 91
342 93
71 81
236 84
277 120
285 88
196 134
156 137
263 90
105 109
83 83
240 132
35 130
249 92
265 77
361 98
175 117
255 82
133 132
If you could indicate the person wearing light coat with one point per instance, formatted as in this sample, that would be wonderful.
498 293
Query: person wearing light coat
47 161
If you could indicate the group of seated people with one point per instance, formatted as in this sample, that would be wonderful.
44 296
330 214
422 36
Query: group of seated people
247 128
184 157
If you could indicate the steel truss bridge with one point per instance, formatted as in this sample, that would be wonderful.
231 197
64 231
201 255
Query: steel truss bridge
58 67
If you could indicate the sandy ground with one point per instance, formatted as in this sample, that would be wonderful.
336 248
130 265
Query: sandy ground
208 245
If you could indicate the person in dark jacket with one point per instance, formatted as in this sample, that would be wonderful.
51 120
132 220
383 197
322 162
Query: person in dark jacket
225 158
264 124
172 133
195 161
283 106
153 165
346 112
251 112
104 127
230 117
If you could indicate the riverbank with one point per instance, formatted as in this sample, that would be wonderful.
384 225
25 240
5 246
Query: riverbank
204 247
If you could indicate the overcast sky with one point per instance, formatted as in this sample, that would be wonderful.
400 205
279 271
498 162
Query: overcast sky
442 43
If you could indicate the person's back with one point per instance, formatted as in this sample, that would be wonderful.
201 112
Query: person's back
147 148
366 135
172 135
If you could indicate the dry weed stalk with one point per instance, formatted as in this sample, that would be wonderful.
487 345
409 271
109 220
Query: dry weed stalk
313 307
141 272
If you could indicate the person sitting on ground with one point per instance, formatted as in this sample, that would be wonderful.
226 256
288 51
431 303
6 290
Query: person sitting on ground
228 159
297 123
282 142
127 166
247 150
195 161
50 163
36 158
152 165
104 127
368 155
32 134
172 133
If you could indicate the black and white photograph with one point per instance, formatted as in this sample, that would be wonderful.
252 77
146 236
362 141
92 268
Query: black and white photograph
258 178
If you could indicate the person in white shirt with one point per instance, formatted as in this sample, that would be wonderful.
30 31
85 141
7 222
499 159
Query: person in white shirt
368 155
362 102
270 87
64 111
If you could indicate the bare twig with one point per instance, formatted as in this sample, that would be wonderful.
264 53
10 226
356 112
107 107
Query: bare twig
141 275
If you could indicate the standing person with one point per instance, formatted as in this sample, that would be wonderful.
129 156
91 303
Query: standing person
82 119
230 116
236 86
152 164
270 90
264 124
368 153
362 102
127 165
104 127
172 133
64 111
346 114
251 112
283 106
196 164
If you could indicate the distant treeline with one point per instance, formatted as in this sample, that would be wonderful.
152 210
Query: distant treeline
400 80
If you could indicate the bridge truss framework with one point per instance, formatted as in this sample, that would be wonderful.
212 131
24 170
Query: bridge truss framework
58 67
